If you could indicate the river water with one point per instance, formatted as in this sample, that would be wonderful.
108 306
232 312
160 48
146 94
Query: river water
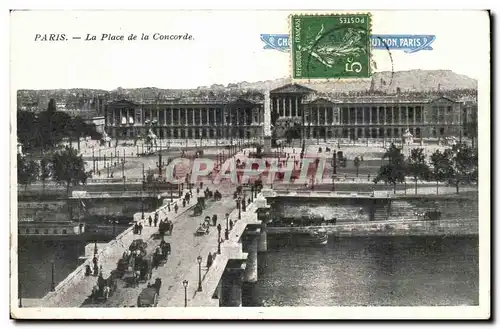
353 271
35 259
360 271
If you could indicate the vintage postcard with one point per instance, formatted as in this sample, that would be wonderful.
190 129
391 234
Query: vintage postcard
250 164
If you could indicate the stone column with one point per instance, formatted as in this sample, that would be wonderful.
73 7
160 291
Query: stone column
355 117
406 108
297 106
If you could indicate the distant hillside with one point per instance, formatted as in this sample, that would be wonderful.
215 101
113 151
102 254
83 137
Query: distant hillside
381 82
413 80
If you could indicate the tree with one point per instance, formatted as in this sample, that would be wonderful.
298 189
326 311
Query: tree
464 164
78 129
68 167
393 171
27 171
440 162
44 171
357 163
417 166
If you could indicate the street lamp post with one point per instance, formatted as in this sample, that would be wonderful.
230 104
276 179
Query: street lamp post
123 169
219 240
53 283
199 273
239 207
142 207
227 226
185 284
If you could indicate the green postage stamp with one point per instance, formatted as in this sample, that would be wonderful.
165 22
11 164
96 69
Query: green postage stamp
330 46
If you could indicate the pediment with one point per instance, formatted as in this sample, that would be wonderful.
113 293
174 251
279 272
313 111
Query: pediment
293 88
122 103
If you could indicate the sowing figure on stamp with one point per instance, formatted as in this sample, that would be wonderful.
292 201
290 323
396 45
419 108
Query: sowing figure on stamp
327 50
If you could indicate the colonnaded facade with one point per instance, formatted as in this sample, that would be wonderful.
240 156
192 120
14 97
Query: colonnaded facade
366 117
317 117
196 119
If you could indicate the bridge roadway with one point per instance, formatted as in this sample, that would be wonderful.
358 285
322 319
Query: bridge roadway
186 247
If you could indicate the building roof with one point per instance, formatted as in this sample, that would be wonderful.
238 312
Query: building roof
293 88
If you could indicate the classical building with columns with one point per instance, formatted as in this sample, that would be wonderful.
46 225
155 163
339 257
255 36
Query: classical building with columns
180 119
365 117
315 116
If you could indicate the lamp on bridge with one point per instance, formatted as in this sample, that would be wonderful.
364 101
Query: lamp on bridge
227 227
123 169
53 283
143 176
219 240
239 207
185 284
199 273
142 208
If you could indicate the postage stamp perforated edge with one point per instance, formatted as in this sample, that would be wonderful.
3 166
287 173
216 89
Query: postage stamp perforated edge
328 79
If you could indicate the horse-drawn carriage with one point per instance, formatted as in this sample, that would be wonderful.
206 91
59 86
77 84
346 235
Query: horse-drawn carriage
204 228
217 195
135 265
161 254
138 244
140 269
198 209
149 295
164 228
104 288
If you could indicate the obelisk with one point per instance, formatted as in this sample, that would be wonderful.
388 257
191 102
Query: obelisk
267 122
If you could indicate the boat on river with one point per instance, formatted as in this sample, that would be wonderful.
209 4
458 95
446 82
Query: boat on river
317 237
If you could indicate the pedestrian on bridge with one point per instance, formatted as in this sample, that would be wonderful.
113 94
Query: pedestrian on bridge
231 224
176 207
168 207
183 203
156 219
150 220
209 260
214 220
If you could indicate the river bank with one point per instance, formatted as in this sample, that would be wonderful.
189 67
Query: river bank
390 228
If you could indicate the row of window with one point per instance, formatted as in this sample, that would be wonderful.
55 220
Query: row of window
369 132
184 116
197 133
46 231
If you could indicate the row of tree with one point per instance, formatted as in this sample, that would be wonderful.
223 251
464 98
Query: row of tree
65 167
44 130
456 165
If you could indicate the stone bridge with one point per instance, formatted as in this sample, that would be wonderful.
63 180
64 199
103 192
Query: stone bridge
235 261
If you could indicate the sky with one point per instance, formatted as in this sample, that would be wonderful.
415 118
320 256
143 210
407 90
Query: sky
226 47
